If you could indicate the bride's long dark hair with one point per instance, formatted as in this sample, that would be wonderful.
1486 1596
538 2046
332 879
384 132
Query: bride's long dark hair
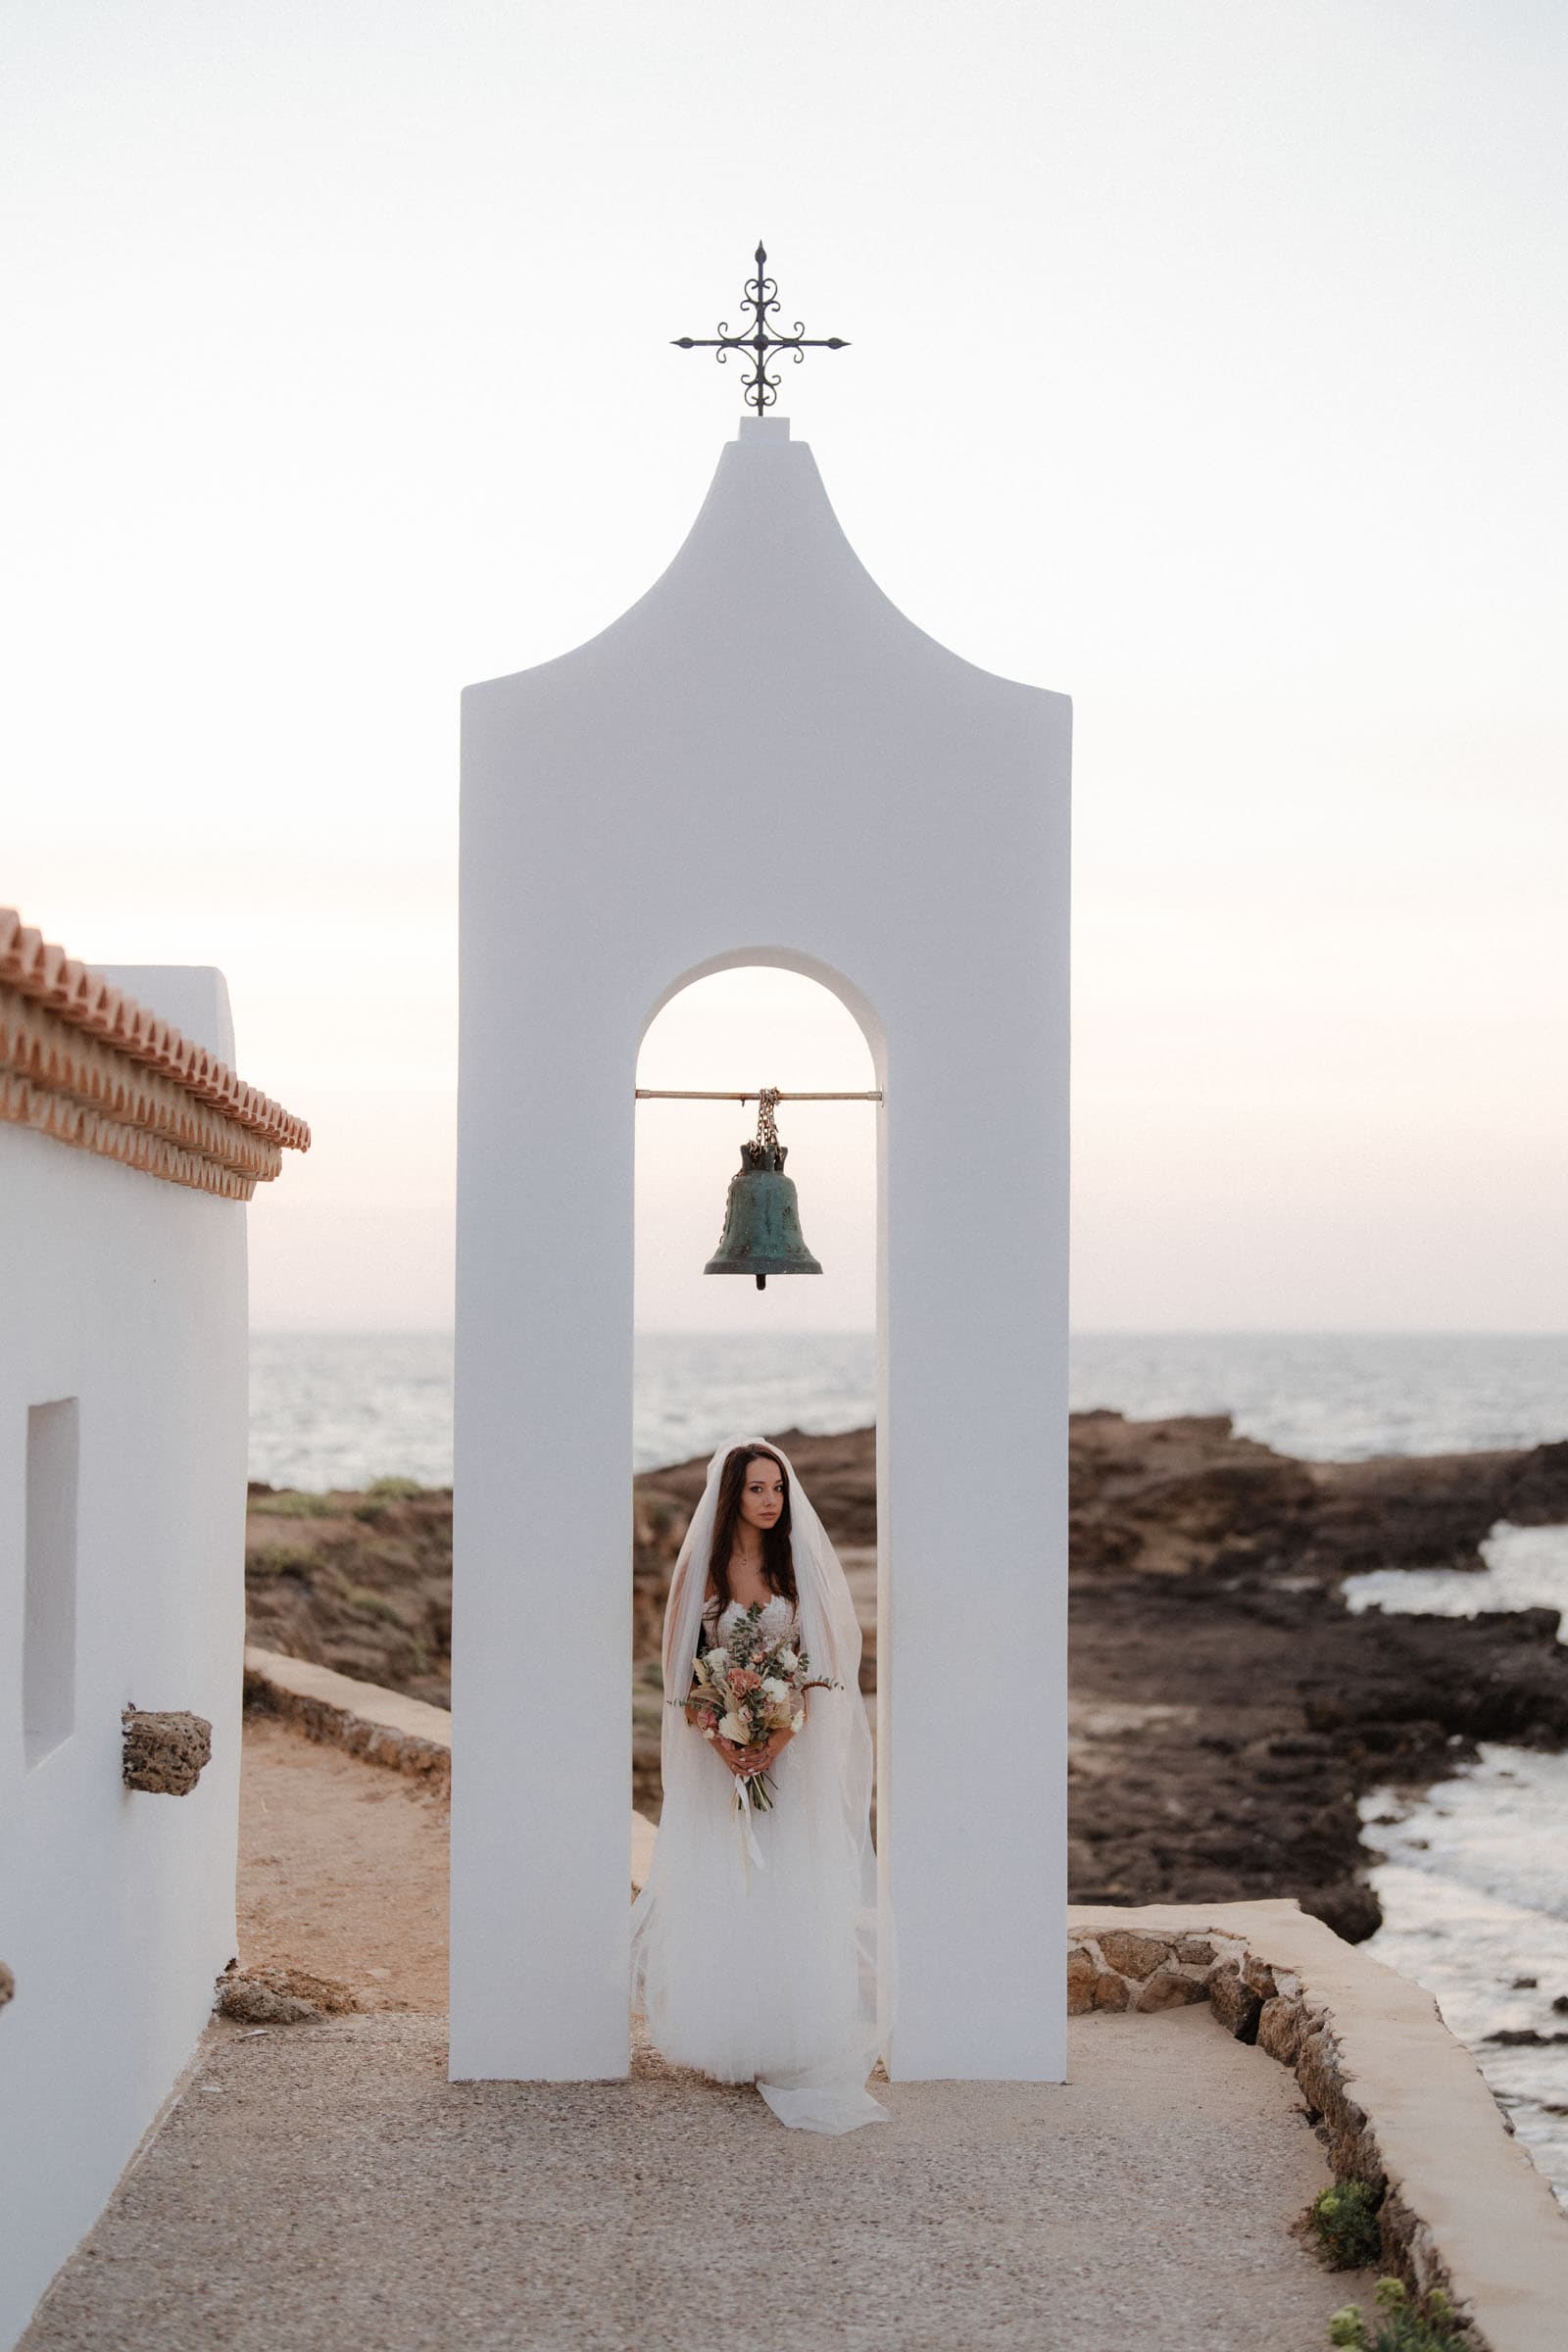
779 1557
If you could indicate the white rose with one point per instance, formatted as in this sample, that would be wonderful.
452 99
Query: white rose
774 1689
788 1658
715 1660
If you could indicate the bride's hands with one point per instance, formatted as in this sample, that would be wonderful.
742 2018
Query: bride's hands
744 1761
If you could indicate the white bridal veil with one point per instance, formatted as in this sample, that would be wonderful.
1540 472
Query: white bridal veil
808 1934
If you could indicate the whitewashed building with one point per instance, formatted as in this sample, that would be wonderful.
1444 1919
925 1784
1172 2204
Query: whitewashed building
128 1151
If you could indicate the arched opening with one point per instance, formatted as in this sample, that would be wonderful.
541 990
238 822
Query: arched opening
714 1356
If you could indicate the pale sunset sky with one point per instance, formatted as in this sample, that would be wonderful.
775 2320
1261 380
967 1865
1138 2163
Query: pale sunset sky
1208 364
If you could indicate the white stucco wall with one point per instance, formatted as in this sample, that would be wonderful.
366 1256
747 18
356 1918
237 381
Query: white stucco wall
117 1910
763 762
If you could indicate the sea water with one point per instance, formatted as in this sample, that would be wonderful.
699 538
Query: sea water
335 1409
1474 1876
1473 1881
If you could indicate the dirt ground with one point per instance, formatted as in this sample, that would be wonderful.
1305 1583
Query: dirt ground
342 1873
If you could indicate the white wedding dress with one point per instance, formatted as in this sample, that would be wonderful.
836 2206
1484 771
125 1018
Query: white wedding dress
756 1946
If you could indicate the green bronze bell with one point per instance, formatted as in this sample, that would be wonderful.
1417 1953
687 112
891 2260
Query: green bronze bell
762 1233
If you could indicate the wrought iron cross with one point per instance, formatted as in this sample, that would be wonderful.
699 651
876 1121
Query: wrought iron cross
761 299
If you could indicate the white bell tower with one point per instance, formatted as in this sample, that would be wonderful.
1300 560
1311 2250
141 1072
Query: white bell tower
905 843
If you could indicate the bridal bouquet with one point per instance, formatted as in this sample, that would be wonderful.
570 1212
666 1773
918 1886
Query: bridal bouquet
748 1691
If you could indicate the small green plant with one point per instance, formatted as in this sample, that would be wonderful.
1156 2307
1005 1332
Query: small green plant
1401 2326
367 1603
294 1502
280 1559
393 1489
1346 2218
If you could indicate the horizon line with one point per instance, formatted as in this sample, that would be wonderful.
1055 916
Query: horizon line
1086 1331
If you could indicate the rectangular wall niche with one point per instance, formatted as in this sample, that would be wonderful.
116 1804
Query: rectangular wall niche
49 1639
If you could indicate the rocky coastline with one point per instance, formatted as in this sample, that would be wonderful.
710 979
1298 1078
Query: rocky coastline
1228 1711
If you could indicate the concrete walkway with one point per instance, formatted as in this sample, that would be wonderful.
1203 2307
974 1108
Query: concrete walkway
325 2185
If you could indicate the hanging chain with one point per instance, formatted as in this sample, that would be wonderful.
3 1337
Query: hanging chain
767 1128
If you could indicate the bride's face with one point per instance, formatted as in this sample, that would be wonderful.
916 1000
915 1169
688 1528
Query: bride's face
762 1494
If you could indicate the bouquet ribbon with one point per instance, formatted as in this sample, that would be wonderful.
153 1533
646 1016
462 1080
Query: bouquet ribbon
750 1851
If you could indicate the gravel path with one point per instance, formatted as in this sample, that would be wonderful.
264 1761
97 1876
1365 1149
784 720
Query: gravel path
324 2188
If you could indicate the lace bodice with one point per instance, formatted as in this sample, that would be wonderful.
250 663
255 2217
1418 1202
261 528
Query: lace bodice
779 1616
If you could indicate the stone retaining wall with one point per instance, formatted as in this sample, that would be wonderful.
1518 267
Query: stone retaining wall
1128 1968
382 1726
1398 2102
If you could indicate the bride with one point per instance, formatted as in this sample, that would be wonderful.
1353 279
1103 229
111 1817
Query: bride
756 1946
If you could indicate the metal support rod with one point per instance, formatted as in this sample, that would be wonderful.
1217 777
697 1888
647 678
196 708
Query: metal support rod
667 1094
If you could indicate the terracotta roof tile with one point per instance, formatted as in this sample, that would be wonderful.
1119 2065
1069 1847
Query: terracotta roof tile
85 1063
